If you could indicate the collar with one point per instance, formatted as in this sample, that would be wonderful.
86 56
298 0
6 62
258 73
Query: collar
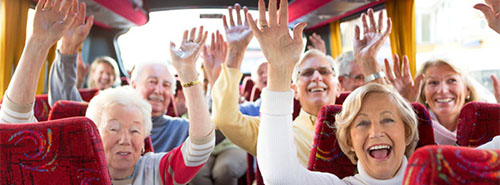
397 179
306 117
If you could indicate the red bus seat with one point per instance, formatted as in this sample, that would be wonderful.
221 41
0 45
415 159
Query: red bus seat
255 93
88 94
342 96
478 123
326 155
67 151
246 87
453 165
42 108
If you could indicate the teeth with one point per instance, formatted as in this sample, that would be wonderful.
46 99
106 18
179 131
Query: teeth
379 147
317 90
443 100
122 153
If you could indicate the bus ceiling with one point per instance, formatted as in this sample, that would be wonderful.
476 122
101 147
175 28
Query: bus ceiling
123 14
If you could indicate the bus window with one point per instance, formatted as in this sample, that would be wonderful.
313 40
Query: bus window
151 41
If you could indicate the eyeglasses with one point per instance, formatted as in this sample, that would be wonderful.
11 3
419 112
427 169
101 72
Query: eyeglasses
359 77
322 71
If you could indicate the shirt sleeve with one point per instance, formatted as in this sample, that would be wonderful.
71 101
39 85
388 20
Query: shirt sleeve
181 164
493 144
62 79
15 113
241 130
276 151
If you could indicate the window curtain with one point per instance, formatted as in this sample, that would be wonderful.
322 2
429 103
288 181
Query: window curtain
403 33
13 17
335 39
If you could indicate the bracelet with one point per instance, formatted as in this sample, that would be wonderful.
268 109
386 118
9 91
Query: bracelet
191 83
374 76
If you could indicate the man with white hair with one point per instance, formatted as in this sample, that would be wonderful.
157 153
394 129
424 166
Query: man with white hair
350 75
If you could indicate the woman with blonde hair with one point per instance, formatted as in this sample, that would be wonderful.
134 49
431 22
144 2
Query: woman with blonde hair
103 73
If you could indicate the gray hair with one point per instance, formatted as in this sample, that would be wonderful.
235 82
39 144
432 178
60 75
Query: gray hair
255 73
123 96
345 61
309 54
138 70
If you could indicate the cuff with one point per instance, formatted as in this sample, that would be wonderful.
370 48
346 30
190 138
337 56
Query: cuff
276 103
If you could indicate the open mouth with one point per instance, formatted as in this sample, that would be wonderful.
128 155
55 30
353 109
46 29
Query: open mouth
380 152
123 154
156 98
317 89
444 100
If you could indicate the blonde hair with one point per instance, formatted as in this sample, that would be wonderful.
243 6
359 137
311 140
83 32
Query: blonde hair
123 96
476 90
104 60
352 106
311 53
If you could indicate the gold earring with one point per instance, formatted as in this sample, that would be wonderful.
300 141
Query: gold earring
143 150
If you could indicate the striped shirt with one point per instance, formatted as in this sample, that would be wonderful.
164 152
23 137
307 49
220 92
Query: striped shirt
11 112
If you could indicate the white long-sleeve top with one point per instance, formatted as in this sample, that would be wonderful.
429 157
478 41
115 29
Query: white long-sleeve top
276 151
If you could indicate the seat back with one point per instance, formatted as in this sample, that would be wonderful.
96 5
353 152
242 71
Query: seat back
342 96
255 93
246 87
88 94
453 165
67 109
326 155
67 151
478 123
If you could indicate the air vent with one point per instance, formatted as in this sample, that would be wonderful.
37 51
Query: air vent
211 16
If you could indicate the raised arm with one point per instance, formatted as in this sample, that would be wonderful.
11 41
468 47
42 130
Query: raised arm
367 48
213 56
317 43
239 129
276 151
184 60
63 72
491 11
52 19
402 79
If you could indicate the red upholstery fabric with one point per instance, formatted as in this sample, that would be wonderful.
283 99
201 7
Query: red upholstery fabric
478 123
255 93
252 173
172 109
67 109
42 108
326 155
246 87
453 165
67 151
296 108
88 94
340 100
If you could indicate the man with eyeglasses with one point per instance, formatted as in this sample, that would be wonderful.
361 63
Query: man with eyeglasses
315 85
350 75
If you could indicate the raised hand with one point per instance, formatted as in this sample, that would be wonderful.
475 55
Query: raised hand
77 32
402 80
491 11
52 19
281 50
366 48
238 36
184 58
213 56
496 87
317 43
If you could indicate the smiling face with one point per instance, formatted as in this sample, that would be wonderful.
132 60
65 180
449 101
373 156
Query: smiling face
122 133
378 136
445 90
316 85
103 76
354 79
155 85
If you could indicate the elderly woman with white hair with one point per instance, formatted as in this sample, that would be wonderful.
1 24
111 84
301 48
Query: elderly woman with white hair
124 121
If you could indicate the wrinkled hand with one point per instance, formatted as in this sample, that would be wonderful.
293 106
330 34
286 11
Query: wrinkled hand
184 58
491 11
402 80
213 56
279 48
77 32
238 35
52 19
317 43
496 87
366 48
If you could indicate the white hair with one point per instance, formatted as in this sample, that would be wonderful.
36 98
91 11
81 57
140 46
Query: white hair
309 54
123 96
345 61
255 73
139 69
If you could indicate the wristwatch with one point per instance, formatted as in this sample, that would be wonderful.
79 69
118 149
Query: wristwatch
374 76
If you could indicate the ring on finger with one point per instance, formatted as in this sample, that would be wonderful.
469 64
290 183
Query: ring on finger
264 26
191 40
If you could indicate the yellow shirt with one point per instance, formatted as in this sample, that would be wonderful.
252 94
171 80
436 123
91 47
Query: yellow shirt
243 130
